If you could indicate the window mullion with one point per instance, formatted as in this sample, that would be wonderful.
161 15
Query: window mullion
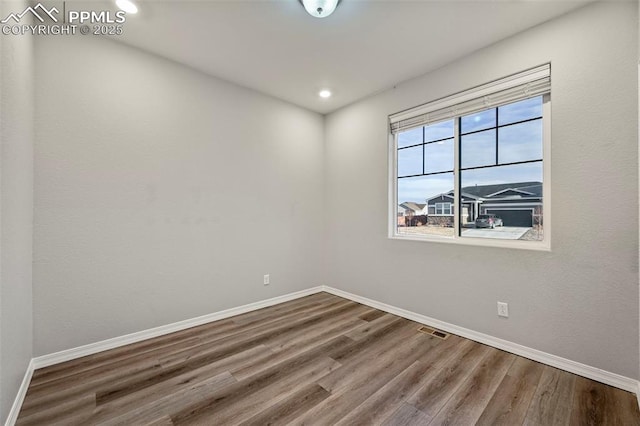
497 130
456 178
424 166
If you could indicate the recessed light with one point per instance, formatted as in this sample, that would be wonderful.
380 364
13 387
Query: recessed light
127 5
324 93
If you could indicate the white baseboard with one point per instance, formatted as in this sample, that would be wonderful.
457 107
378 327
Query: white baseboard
92 348
22 392
584 370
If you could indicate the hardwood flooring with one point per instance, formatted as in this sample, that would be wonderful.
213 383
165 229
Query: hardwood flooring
319 360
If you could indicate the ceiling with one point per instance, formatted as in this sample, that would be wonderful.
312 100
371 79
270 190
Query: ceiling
275 47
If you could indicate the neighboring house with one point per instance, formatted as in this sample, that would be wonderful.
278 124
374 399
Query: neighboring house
412 209
409 210
518 204
440 209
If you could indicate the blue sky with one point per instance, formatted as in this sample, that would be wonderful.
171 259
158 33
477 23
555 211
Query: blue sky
520 142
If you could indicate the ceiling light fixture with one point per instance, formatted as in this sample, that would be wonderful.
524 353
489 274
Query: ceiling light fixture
320 8
127 5
324 93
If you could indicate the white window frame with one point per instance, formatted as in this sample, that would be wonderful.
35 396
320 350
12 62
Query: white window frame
544 244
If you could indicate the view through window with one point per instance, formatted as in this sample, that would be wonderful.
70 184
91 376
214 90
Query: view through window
499 175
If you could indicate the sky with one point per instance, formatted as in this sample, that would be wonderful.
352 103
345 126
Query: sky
519 142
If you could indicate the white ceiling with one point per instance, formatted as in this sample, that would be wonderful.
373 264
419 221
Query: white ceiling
275 47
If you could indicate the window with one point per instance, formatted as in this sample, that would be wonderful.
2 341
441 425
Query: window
480 162
444 209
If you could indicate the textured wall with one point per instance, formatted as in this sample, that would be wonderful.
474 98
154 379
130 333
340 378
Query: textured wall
579 301
16 210
162 194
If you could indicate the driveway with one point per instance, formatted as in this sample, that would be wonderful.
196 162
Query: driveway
502 232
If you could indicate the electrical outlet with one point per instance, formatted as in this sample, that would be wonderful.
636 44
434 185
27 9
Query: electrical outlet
266 279
503 309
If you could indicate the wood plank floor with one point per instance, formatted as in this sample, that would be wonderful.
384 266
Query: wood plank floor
319 360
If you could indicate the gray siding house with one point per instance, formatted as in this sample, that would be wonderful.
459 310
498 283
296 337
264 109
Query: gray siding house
518 204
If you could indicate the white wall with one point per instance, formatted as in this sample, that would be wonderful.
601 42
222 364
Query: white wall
162 194
138 160
579 301
16 210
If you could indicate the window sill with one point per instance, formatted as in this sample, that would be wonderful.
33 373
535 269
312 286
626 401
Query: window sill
479 242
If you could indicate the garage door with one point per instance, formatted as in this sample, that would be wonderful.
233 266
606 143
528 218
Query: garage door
514 217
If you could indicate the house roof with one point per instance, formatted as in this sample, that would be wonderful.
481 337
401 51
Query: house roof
447 194
412 206
487 191
483 192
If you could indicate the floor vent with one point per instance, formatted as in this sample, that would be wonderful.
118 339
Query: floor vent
437 333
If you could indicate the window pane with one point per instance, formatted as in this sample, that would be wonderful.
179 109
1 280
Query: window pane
438 131
478 149
438 156
443 208
478 121
410 137
520 142
410 161
414 192
519 111
503 202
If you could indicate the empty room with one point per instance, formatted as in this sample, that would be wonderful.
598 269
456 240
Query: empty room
319 212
